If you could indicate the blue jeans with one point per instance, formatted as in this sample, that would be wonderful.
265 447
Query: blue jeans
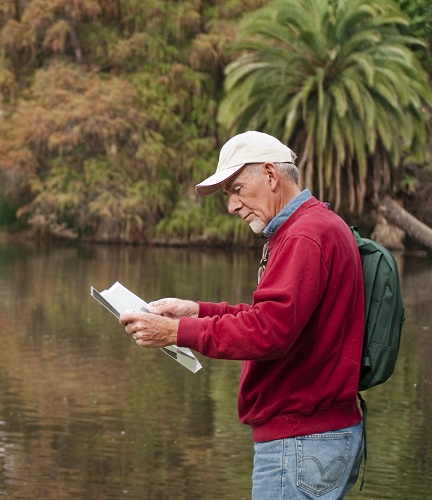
323 466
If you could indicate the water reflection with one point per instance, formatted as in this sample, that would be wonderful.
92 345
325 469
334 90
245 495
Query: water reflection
399 433
86 414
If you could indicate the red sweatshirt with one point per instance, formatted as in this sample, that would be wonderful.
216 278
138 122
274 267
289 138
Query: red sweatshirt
301 339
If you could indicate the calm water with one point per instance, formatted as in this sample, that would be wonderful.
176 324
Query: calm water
87 414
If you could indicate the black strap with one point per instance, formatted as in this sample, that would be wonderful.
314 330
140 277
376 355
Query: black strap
363 406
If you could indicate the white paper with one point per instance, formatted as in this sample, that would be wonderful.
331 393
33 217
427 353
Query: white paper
118 299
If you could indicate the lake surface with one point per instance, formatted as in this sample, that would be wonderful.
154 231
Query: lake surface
87 414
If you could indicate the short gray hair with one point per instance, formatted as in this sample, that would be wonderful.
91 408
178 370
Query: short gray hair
288 169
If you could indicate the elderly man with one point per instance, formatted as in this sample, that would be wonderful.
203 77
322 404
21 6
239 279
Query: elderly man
301 337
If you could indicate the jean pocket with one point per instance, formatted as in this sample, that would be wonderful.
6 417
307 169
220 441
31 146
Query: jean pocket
321 461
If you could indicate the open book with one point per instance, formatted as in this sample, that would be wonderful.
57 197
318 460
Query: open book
118 299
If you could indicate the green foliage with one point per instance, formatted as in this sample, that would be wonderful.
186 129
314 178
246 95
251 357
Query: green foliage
190 223
338 81
7 212
420 15
409 183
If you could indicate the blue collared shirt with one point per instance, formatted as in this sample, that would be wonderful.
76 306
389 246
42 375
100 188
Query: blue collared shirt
286 212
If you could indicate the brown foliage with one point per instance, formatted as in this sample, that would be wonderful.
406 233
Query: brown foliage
70 108
69 117
47 24
108 147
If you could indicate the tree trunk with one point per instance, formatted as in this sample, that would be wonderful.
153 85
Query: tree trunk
398 216
74 38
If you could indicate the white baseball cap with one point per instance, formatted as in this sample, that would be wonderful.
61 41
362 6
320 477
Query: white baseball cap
249 147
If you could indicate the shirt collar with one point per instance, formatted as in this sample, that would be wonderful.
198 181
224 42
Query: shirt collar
286 212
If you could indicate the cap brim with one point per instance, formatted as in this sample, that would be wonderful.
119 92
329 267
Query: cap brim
216 181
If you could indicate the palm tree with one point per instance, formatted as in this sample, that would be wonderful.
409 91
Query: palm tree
338 81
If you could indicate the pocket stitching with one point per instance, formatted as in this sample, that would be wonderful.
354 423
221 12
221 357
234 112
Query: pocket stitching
346 436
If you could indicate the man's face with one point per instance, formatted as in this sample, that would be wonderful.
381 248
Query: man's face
248 195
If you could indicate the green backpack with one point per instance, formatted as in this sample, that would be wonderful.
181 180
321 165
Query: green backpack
384 317
384 312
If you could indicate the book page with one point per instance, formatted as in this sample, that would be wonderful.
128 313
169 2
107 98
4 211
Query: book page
118 299
123 299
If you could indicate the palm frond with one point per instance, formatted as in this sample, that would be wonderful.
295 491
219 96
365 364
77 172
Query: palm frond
336 78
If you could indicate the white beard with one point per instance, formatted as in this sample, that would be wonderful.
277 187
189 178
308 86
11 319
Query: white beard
257 225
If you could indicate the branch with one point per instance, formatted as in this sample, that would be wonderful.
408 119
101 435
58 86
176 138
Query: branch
398 216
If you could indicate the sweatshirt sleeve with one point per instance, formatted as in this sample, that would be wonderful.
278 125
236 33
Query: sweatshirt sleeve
289 291
218 308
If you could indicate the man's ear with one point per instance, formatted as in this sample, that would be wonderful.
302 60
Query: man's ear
272 175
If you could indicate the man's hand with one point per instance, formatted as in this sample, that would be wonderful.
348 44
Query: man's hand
174 308
150 330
